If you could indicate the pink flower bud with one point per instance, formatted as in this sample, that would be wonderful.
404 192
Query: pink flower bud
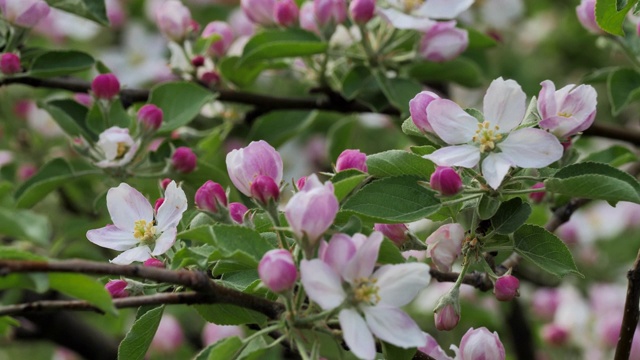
506 288
24 13
105 86
481 344
197 61
213 333
10 64
83 99
443 42
537 197
418 109
246 164
300 183
395 232
117 288
259 11
330 11
545 302
115 13
174 20
25 171
352 159
446 181
586 12
169 336
446 318
445 245
311 211
158 203
277 270
153 262
184 160
555 335
150 117
223 30
362 10
210 78
264 189
210 196
308 18
164 183
286 13
237 211
567 111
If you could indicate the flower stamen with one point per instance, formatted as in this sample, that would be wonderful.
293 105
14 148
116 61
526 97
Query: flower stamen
144 231
486 137
123 148
565 114
410 5
365 290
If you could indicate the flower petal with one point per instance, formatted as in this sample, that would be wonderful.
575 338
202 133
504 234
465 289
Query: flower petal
138 253
127 205
399 284
339 251
356 334
112 237
170 212
444 9
362 263
322 284
495 168
394 326
165 241
460 155
400 20
450 122
504 104
531 148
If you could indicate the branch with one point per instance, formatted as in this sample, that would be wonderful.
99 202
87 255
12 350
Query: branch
194 280
631 313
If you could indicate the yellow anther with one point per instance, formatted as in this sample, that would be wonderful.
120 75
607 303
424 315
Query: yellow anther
410 5
565 114
366 291
144 231
122 149
486 137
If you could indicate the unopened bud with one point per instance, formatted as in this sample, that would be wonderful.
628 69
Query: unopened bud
537 197
443 42
117 288
446 181
418 110
395 232
10 64
153 262
300 183
220 46
159 203
264 189
286 13
197 61
150 117
83 99
506 288
555 335
210 78
164 183
184 160
446 318
210 196
105 86
277 270
362 10
352 159
237 211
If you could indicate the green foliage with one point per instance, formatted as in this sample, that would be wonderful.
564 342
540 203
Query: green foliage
615 156
70 115
25 225
57 63
274 44
180 102
345 181
89 9
544 249
623 87
135 345
610 15
277 127
393 352
510 216
228 348
398 162
227 314
83 287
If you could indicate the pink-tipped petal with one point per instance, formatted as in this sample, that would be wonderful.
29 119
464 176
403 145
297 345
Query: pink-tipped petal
112 237
504 104
356 334
394 326
363 262
322 284
127 205
546 99
138 253
450 122
402 21
461 155
338 252
444 9
399 284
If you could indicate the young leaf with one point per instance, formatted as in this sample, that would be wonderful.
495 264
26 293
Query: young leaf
273 44
227 314
544 249
83 287
227 348
510 216
57 63
623 87
393 352
610 16
70 116
487 206
89 9
137 341
180 102
399 162
345 181
277 127
615 156
25 225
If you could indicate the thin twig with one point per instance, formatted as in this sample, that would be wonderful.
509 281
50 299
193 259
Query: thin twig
631 313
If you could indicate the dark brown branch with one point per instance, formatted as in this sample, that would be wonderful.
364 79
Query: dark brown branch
631 313
194 280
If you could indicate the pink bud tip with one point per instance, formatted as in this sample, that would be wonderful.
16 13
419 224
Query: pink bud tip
506 288
395 232
83 99
105 86
264 189
237 211
352 159
210 78
537 197
158 204
446 318
418 109
300 183
286 13
210 196
446 181
117 288
362 10
10 64
197 61
184 160
150 117
26 171
152 262
164 183
277 270
555 335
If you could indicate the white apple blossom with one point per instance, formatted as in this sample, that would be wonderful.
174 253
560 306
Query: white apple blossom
344 276
497 141
418 14
117 146
136 230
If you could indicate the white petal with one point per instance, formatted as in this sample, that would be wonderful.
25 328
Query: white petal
394 326
495 168
165 241
127 205
546 99
322 284
504 104
356 334
399 284
138 253
400 20
531 148
444 9
170 212
460 155
339 251
112 237
362 263
450 122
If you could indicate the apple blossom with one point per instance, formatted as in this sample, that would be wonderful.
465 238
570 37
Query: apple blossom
308 18
445 245
496 142
418 15
556 335
586 12
174 20
237 212
220 46
362 10
136 230
286 12
10 64
395 232
433 349
443 41
105 86
257 158
150 117
567 111
117 147
212 333
370 300
259 11
210 196
264 189
446 181
117 288
277 270
506 288
169 336
446 318
330 11
480 344
24 13
352 159
418 109
184 160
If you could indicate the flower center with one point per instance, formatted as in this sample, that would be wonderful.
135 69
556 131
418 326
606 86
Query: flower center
486 137
410 5
565 114
145 232
122 149
365 290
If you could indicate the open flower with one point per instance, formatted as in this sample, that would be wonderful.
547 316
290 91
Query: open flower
567 111
136 230
117 146
417 14
344 275
495 141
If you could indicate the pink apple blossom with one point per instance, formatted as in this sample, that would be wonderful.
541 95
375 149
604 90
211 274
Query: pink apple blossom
445 245
479 344
443 42
24 13
418 109
258 158
418 15
567 111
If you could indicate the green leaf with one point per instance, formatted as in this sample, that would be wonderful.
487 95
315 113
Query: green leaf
598 75
409 128
277 127
544 249
623 87
615 156
227 314
83 287
610 17
461 71
25 225
51 176
399 162
57 63
393 352
70 116
422 150
227 348
241 75
479 40
595 181
488 206
137 341
180 102
393 200
357 80
389 253
6 323
345 181
12 253
89 9
398 90
273 44
510 216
